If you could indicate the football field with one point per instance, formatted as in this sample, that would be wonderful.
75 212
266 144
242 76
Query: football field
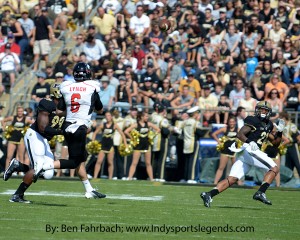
145 210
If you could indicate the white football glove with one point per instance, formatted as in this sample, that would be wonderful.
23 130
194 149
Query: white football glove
253 146
280 125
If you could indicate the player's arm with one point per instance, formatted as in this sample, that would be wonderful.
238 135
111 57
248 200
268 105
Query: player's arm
98 103
42 121
242 134
61 107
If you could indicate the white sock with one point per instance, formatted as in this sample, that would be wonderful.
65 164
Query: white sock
87 185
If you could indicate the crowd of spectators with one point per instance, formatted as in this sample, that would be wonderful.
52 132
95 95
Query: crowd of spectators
244 51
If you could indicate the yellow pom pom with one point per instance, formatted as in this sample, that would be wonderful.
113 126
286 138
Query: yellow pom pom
151 136
93 147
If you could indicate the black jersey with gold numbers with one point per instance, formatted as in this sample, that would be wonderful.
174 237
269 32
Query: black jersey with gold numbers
259 129
47 105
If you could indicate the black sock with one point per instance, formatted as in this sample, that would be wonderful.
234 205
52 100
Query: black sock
22 188
214 192
23 168
263 188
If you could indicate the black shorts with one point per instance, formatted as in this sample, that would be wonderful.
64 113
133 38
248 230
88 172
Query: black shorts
226 150
76 143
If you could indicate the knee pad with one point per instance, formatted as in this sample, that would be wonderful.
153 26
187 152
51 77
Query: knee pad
48 174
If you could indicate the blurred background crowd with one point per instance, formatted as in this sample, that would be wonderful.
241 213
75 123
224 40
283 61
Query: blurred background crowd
222 56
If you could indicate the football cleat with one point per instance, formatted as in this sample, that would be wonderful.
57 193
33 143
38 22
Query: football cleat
206 198
94 194
13 166
260 196
18 198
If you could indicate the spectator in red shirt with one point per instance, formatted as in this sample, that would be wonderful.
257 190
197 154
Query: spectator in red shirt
139 54
15 48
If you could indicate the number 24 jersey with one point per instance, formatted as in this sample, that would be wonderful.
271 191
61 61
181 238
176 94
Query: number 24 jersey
259 129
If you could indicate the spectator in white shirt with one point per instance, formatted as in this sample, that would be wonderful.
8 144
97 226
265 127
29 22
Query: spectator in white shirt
10 63
94 50
139 23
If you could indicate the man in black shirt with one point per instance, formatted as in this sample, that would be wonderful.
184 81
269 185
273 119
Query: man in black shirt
41 35
40 90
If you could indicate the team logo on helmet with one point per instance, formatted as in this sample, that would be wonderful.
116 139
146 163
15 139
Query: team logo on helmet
54 91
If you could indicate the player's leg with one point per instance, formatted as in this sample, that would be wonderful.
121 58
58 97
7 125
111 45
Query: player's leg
222 165
238 170
277 178
90 192
98 164
261 160
135 159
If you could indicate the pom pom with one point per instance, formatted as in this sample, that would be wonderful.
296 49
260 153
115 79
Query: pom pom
93 147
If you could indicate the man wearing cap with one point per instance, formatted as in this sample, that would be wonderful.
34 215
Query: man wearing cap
147 93
61 65
14 47
221 23
107 93
191 132
40 90
150 73
93 31
10 63
160 141
26 23
194 86
104 22
49 71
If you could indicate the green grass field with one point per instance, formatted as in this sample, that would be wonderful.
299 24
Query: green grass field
145 210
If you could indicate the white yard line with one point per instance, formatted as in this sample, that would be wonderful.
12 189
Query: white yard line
81 195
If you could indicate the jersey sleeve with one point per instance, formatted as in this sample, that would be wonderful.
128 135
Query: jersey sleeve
251 122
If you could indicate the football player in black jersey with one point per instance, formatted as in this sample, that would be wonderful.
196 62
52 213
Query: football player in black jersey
256 130
37 146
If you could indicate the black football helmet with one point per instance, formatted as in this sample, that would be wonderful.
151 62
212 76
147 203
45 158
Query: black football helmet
263 105
82 71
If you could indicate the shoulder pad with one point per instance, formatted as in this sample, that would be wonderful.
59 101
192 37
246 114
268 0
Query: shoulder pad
93 83
252 122
46 105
